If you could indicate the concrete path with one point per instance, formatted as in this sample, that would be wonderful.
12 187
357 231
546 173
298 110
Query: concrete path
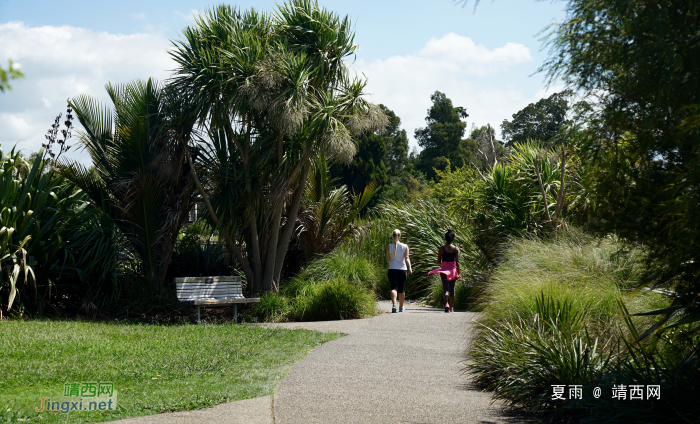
249 411
393 368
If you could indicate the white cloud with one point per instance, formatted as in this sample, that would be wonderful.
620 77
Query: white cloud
492 84
191 17
138 16
458 49
63 62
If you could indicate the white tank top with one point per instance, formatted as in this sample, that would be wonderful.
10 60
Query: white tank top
398 261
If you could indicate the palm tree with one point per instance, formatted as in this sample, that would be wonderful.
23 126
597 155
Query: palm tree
268 93
328 214
140 177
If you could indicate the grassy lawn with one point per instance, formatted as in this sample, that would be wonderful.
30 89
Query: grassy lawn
154 368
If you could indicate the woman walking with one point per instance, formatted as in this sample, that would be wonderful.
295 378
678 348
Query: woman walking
399 263
448 258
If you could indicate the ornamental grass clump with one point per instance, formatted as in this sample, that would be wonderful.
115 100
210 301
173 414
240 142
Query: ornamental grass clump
341 264
339 285
553 315
332 300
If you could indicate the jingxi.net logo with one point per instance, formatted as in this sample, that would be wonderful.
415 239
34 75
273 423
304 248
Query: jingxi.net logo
83 396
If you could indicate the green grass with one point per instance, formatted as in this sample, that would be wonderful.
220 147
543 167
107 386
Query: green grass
423 225
340 285
342 263
556 312
154 368
592 273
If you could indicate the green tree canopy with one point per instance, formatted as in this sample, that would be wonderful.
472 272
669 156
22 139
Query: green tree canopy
367 165
640 61
395 144
268 92
442 136
380 155
537 121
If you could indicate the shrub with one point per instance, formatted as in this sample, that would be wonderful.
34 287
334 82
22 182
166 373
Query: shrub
469 291
332 300
339 285
273 307
341 264
552 316
521 358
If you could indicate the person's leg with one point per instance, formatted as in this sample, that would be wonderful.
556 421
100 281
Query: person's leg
402 287
452 294
393 282
445 288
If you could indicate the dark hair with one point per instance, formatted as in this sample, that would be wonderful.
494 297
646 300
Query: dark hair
449 236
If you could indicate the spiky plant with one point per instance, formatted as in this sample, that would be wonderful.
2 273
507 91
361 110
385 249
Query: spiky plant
328 214
140 180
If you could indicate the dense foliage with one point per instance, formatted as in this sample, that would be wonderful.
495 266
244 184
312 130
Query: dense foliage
542 120
442 136
140 179
557 313
639 64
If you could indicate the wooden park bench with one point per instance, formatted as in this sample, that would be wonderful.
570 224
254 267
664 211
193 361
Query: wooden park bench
212 291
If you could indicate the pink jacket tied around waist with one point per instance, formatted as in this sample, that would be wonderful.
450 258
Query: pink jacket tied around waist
447 268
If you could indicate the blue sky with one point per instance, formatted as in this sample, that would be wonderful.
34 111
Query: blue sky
483 60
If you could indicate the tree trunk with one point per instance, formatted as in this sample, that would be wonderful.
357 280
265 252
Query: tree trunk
268 282
562 186
544 195
286 235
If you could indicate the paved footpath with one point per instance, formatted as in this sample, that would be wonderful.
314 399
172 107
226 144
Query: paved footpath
393 368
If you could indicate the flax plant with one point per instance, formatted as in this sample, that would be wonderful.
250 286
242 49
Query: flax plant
141 180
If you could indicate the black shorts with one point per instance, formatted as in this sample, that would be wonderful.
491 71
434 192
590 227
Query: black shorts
448 286
397 279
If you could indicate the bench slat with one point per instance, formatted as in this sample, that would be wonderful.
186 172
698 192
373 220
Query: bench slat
201 292
198 286
227 301
203 299
221 302
207 279
238 288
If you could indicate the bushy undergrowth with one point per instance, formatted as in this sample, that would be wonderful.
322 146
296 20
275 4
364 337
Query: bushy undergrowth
198 253
339 285
333 299
469 291
342 263
557 314
423 225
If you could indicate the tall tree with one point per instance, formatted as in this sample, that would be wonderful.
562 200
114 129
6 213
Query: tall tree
140 180
380 155
442 136
367 165
537 121
269 92
639 62
483 149
395 144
